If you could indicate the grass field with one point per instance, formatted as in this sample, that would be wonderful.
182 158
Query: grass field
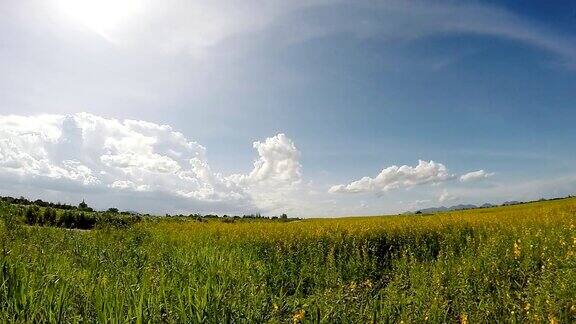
509 264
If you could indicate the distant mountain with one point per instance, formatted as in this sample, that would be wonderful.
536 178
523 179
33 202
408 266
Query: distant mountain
440 209
443 209
432 210
462 207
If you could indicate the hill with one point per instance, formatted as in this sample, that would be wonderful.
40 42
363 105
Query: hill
432 210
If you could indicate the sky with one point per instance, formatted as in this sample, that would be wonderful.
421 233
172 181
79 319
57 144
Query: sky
311 108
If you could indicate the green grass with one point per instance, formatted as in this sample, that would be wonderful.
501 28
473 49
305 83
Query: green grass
511 264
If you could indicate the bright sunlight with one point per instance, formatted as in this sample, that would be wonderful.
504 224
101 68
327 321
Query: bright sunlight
101 16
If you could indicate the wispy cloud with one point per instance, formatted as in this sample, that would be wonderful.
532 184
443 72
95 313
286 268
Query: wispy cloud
195 27
446 196
475 175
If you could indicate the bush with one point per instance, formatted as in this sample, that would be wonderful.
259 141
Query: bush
85 221
32 215
67 219
49 217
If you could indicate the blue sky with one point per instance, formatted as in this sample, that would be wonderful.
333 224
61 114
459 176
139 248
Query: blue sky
356 87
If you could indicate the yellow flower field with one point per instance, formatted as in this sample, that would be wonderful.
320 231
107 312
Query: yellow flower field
514 263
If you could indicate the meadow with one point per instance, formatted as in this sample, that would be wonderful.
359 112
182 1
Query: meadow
503 264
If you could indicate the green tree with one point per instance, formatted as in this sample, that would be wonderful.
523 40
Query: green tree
32 213
83 205
49 216
67 219
85 221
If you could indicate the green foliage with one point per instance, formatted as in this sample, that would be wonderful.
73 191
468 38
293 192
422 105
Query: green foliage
507 264
83 206
49 217
67 219
32 215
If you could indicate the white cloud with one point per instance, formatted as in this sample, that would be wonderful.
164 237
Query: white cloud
278 162
276 175
394 177
475 175
88 153
415 204
445 196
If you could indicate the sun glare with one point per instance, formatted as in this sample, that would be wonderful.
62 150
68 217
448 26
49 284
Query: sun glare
101 16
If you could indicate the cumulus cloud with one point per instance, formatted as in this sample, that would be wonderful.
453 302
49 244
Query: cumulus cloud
85 153
276 174
278 162
395 177
475 175
137 163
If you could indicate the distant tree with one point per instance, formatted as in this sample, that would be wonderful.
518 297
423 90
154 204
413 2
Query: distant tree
113 210
22 201
67 219
49 217
83 205
40 219
31 215
85 221
283 216
226 219
41 203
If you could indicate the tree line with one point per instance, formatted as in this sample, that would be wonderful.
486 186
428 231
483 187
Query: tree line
42 213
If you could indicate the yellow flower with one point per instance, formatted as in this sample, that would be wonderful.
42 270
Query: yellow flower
368 283
516 251
298 316
553 319
464 318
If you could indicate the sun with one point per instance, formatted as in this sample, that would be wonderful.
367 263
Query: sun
101 16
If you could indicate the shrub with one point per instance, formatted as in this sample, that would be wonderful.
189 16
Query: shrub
85 221
67 219
32 215
49 217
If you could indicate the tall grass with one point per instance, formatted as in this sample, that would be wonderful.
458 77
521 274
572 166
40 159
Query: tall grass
500 264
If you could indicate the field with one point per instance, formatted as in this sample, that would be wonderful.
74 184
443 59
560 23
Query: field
511 264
